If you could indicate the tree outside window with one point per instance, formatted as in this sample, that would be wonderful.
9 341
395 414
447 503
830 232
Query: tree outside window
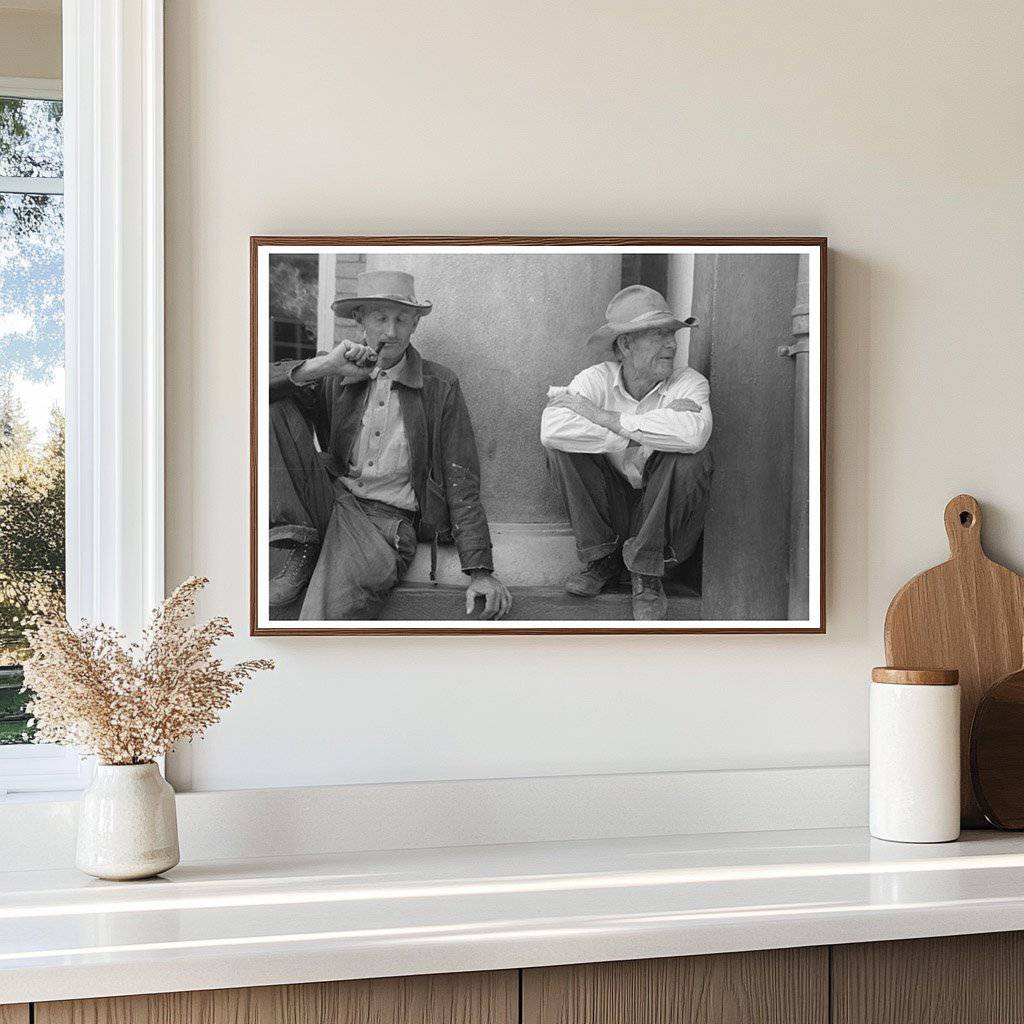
31 384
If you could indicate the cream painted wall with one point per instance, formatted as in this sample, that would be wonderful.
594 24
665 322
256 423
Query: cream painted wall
895 129
30 40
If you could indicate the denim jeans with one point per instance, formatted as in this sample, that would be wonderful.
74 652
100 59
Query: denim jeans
365 546
656 527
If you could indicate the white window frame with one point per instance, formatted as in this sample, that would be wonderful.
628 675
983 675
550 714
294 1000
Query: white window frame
327 288
114 347
31 89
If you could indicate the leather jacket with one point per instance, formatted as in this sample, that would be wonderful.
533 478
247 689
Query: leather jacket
442 447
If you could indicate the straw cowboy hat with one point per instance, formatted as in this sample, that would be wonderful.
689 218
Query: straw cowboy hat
634 309
384 286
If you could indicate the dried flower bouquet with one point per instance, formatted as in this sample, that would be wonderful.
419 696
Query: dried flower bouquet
130 703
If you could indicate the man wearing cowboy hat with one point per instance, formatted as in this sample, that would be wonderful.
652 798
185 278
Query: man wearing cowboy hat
397 463
627 442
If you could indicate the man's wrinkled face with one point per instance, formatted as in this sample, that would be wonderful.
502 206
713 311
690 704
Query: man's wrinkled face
650 355
388 327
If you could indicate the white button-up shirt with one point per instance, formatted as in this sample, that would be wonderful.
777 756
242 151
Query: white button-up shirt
651 421
381 465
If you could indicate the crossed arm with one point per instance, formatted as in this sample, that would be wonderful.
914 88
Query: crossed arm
578 420
612 421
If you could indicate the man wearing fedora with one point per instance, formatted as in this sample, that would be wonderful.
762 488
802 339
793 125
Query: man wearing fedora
627 444
397 463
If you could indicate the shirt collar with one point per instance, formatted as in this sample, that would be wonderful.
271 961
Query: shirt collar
621 385
408 370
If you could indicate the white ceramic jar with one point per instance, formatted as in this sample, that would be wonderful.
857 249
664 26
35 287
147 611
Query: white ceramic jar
915 755
127 824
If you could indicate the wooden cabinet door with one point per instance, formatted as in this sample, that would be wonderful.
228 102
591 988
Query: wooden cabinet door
961 979
778 986
14 1013
478 998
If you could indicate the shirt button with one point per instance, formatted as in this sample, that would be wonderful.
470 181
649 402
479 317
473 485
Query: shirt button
376 433
370 463
380 403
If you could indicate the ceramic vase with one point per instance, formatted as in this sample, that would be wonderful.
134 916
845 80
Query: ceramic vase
127 825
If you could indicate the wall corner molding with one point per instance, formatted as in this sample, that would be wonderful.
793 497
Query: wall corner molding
114 267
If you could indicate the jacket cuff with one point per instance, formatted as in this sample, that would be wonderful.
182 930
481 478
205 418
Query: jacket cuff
476 560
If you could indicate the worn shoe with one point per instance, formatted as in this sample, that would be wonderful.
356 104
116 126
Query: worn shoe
649 600
291 565
598 574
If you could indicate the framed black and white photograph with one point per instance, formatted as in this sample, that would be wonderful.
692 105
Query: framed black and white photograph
537 435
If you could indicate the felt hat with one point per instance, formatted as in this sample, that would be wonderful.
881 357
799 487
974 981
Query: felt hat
634 309
384 286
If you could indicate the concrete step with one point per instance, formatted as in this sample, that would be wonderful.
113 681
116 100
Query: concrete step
423 601
533 560
525 554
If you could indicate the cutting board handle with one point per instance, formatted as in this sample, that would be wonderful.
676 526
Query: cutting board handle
963 526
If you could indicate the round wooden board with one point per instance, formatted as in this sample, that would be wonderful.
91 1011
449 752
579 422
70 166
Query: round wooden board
997 753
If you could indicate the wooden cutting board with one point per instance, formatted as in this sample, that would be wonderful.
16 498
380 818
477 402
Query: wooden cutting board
967 614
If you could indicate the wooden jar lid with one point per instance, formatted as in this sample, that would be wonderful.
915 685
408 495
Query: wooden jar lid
916 676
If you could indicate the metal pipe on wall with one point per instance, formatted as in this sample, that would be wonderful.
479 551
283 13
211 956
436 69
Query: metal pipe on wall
799 543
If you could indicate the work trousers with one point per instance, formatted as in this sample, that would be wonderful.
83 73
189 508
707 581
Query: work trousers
365 546
657 526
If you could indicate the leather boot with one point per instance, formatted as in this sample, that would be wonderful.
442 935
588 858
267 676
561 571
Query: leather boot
598 574
291 565
649 600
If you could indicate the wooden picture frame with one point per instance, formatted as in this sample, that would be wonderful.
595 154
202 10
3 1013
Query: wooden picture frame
761 342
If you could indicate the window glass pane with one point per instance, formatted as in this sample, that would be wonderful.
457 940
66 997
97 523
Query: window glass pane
31 138
31 430
293 305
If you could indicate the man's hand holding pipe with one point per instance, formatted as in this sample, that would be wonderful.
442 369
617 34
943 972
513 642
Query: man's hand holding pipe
346 359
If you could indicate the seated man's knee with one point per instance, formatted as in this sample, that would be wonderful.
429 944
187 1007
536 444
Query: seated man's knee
287 416
284 409
685 467
558 459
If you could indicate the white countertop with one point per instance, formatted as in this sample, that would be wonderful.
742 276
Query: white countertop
269 921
